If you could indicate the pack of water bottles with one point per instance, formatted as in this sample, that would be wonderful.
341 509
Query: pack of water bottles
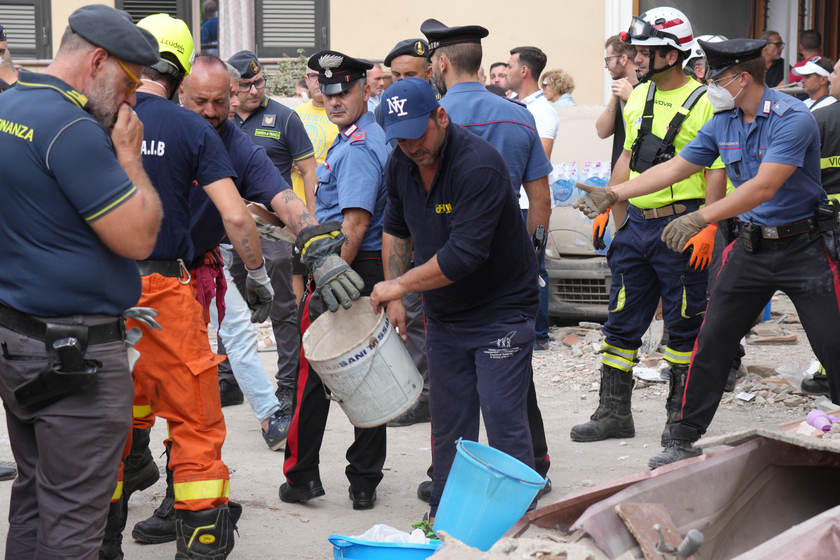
564 176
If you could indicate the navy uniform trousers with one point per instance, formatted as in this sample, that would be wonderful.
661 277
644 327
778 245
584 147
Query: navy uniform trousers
796 265
311 407
644 270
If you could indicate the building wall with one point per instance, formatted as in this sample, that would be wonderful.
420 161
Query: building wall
61 13
570 32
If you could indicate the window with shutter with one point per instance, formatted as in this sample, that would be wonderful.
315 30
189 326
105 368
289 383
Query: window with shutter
141 8
27 28
284 26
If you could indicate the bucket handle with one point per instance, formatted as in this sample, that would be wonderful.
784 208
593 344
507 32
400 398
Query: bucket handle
494 469
341 543
374 343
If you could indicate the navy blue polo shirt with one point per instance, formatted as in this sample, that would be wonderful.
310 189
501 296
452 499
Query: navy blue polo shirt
470 219
60 174
257 180
180 149
280 131
784 131
508 125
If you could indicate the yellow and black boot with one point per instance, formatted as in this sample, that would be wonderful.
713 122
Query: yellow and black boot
613 418
205 534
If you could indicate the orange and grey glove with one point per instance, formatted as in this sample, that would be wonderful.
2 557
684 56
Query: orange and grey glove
677 234
599 229
701 247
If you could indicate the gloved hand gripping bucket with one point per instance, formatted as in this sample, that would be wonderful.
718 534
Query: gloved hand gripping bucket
487 491
360 358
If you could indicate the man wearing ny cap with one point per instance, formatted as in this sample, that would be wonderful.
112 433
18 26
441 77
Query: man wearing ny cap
788 238
816 81
455 54
78 210
449 197
349 205
280 131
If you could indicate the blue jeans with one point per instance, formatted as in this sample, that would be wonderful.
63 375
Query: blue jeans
240 337
541 324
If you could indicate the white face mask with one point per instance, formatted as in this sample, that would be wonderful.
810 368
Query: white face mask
720 98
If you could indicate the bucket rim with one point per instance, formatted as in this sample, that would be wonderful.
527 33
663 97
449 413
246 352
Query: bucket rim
379 320
460 445
343 541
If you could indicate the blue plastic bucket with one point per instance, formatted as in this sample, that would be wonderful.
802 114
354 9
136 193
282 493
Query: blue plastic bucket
357 549
486 493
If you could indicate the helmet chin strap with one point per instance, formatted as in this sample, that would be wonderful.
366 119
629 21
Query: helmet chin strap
651 70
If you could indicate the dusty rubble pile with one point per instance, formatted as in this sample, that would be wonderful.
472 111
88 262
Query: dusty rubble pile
545 548
775 346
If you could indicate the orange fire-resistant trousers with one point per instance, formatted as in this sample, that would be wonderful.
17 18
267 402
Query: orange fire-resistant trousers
176 379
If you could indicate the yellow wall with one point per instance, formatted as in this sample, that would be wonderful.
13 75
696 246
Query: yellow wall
570 32
61 13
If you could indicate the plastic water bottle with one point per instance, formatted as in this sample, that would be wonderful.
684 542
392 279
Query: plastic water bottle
562 189
574 172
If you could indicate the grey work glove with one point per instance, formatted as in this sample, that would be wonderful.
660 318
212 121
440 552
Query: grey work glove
145 315
260 293
596 201
680 231
319 247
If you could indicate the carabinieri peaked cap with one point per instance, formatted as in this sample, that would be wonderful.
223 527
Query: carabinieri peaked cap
114 31
337 71
417 48
440 35
724 54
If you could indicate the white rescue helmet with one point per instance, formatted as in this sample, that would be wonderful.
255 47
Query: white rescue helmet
697 51
660 26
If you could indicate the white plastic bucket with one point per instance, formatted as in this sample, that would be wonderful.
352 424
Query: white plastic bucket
362 360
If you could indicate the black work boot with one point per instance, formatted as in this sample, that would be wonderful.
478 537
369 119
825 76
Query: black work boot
673 405
818 385
139 469
613 418
160 527
675 450
205 534
112 543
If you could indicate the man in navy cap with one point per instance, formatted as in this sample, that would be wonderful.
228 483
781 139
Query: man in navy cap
77 166
455 53
788 235
280 131
349 205
476 265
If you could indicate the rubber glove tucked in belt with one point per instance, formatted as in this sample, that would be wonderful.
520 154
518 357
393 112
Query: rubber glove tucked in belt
260 293
701 247
599 229
145 315
319 247
678 233
596 201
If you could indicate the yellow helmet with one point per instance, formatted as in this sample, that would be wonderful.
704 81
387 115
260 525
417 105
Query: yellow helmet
173 37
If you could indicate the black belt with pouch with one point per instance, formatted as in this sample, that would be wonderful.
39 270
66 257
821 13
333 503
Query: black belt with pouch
67 370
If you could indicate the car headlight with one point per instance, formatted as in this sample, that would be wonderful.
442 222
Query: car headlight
550 248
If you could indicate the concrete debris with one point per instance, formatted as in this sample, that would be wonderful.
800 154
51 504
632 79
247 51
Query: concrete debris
767 329
525 549
571 340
